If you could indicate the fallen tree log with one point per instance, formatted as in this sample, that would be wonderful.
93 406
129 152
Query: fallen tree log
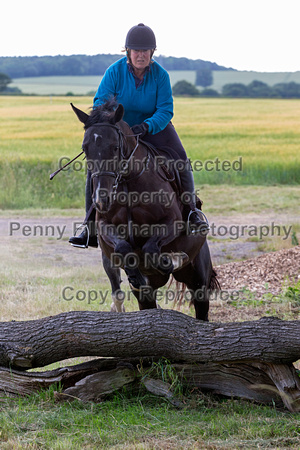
93 380
152 333
248 359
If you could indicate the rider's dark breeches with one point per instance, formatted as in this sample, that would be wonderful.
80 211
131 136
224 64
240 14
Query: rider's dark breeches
168 141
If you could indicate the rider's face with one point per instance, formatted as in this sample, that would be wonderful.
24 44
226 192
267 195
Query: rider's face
140 58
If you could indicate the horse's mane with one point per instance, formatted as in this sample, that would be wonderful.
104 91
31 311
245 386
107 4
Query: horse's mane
102 113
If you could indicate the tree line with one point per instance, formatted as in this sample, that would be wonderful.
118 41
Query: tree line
256 89
61 65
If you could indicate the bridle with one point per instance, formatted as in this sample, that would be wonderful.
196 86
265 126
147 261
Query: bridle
122 175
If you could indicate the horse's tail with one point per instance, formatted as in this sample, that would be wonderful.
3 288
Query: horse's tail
214 284
180 289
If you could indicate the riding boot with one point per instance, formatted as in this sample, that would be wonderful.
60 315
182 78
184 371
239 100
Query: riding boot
195 221
88 237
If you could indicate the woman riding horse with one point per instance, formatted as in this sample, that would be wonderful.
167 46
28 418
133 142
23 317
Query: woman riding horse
143 235
143 87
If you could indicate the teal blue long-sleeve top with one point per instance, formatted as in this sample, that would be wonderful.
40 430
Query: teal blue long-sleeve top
151 102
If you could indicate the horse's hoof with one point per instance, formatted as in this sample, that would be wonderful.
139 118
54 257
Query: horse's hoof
113 308
165 266
135 278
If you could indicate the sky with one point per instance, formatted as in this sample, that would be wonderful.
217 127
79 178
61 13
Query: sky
258 35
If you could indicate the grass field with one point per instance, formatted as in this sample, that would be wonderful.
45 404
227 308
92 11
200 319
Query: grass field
144 422
34 133
79 85
258 140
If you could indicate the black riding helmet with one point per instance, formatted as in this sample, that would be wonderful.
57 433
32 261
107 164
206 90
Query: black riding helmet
140 37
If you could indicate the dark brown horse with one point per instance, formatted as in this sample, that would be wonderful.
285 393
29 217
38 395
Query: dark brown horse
140 217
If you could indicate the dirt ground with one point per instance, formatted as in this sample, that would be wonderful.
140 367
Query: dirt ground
240 262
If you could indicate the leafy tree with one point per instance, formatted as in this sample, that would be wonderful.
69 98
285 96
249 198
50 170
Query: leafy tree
4 81
287 90
204 77
37 66
11 91
209 93
184 88
235 90
258 89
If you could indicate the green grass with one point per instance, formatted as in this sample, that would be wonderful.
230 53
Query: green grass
57 85
27 185
36 132
144 421
262 132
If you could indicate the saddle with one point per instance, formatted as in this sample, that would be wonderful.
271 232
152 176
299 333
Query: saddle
172 176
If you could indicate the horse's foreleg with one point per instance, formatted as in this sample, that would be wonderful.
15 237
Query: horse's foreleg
114 275
146 297
162 262
138 283
122 255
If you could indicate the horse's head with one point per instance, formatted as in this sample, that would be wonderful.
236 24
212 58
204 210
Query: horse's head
104 146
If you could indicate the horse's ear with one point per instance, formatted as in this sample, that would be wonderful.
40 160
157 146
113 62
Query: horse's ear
82 116
119 113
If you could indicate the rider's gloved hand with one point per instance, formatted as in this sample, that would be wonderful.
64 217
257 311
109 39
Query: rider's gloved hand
141 129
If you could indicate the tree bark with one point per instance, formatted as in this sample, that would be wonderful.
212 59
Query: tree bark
93 380
251 360
150 333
